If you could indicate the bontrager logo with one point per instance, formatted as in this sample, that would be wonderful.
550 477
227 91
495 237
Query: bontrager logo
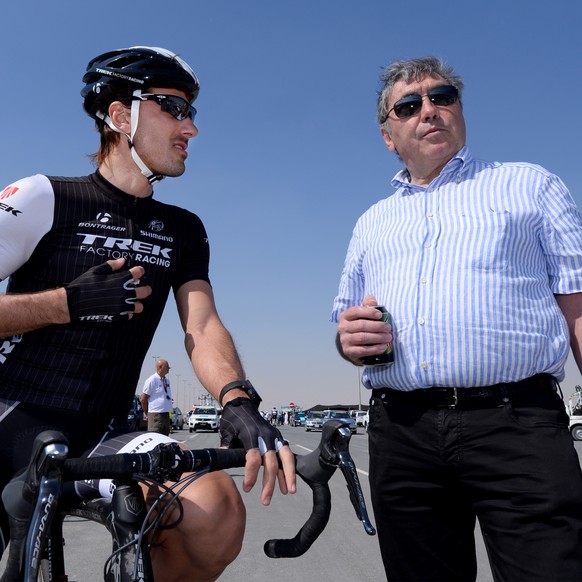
102 222
104 217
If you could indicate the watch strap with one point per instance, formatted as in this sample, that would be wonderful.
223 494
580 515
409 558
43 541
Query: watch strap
243 385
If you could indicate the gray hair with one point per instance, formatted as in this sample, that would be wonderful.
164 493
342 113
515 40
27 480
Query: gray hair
413 70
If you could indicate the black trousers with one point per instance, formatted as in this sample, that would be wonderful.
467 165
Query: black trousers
508 461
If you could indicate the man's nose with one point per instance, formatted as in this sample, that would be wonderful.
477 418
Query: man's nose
429 109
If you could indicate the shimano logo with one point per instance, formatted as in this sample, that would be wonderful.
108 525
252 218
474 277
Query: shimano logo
156 236
156 225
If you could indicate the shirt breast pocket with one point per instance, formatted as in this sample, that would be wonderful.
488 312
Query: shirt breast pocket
484 239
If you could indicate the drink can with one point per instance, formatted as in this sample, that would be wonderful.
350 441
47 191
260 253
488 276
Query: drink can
386 358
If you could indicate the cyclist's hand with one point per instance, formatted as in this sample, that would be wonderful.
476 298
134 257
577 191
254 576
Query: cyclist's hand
361 331
241 424
106 293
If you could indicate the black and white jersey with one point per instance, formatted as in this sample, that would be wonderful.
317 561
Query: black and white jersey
51 231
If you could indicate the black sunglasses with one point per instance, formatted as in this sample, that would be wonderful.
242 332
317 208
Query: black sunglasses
411 104
176 106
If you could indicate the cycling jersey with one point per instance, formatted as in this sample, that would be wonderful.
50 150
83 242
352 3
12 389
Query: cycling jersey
52 230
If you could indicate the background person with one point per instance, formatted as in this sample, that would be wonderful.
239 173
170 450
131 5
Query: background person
156 399
78 316
480 265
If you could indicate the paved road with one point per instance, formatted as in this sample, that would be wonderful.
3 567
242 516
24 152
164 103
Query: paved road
344 552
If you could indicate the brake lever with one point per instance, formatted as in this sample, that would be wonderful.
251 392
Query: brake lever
348 468
335 453
338 455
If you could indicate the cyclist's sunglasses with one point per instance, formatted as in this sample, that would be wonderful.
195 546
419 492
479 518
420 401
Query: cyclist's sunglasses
411 104
176 106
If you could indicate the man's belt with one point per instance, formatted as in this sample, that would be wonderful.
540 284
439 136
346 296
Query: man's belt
477 397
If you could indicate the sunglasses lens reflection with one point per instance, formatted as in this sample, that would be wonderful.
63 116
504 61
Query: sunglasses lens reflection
412 104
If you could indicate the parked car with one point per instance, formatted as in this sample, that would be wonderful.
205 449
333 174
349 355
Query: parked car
342 415
135 416
358 416
204 418
177 419
298 419
576 427
313 421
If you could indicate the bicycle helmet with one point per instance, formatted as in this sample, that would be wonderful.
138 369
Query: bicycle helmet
124 74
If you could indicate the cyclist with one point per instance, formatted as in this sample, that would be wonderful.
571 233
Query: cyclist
91 261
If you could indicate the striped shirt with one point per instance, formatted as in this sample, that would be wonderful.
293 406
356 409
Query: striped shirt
468 268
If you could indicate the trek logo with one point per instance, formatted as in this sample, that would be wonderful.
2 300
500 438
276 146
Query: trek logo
7 346
9 209
111 247
97 318
8 191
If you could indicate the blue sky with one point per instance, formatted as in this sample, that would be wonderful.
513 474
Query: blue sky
289 154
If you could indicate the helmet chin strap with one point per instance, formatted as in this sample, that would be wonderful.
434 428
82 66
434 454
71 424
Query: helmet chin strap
134 117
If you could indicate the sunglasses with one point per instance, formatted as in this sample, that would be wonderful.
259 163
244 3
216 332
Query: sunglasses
176 106
411 104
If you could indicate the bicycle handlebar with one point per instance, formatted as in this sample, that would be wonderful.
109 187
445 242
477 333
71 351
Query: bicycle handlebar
40 485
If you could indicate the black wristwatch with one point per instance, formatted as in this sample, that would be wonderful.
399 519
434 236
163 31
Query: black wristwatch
244 385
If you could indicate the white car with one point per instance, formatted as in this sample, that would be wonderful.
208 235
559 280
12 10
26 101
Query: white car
204 418
359 416
576 427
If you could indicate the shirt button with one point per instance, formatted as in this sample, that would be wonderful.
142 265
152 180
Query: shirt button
427 245
424 365
424 280
430 214
420 321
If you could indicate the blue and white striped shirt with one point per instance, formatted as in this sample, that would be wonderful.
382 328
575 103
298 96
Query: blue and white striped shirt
468 268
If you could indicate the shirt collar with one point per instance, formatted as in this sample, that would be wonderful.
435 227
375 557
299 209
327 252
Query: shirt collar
455 165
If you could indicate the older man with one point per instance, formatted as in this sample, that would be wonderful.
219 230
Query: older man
480 266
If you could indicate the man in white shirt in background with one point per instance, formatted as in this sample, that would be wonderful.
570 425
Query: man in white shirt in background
156 399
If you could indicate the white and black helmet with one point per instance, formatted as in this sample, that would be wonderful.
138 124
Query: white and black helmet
124 74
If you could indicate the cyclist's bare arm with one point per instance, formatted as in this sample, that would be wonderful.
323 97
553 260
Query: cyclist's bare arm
208 343
20 313
216 363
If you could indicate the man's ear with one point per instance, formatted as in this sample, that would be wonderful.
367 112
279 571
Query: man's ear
388 139
120 116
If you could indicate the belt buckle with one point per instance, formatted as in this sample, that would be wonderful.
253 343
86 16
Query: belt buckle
455 400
